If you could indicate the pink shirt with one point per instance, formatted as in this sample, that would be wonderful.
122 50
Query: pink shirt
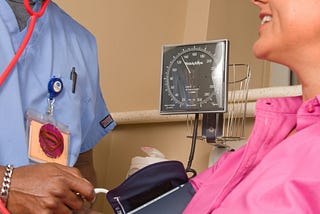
272 173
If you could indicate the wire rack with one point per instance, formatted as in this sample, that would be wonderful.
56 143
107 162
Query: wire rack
229 126
234 118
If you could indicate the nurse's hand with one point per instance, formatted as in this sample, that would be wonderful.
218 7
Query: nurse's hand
48 188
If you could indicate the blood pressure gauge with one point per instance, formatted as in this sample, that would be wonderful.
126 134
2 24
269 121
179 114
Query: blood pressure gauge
194 78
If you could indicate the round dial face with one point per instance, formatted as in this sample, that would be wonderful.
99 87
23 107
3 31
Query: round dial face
194 78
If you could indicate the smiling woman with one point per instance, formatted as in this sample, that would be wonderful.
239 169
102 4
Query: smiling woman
270 171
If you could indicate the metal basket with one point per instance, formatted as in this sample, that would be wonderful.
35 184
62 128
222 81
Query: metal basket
221 128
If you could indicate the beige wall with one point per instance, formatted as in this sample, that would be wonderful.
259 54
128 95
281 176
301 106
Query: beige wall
130 35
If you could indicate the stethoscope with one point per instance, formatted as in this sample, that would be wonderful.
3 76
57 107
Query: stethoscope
34 16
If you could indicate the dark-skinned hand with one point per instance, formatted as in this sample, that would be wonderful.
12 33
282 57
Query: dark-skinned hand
48 188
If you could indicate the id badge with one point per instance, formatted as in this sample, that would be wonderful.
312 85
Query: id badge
48 140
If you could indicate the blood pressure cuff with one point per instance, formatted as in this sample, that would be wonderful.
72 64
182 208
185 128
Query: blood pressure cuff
143 189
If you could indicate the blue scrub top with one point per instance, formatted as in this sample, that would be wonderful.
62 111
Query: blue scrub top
58 43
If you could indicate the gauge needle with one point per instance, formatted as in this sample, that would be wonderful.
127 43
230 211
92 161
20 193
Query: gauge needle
184 62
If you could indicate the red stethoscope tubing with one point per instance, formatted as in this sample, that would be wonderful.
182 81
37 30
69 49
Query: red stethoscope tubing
34 16
3 209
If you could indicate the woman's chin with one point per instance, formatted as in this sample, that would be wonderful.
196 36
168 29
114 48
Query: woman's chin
259 54
260 50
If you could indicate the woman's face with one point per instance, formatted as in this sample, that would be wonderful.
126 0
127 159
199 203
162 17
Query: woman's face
288 29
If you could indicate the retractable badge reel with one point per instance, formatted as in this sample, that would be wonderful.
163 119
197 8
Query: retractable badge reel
48 139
